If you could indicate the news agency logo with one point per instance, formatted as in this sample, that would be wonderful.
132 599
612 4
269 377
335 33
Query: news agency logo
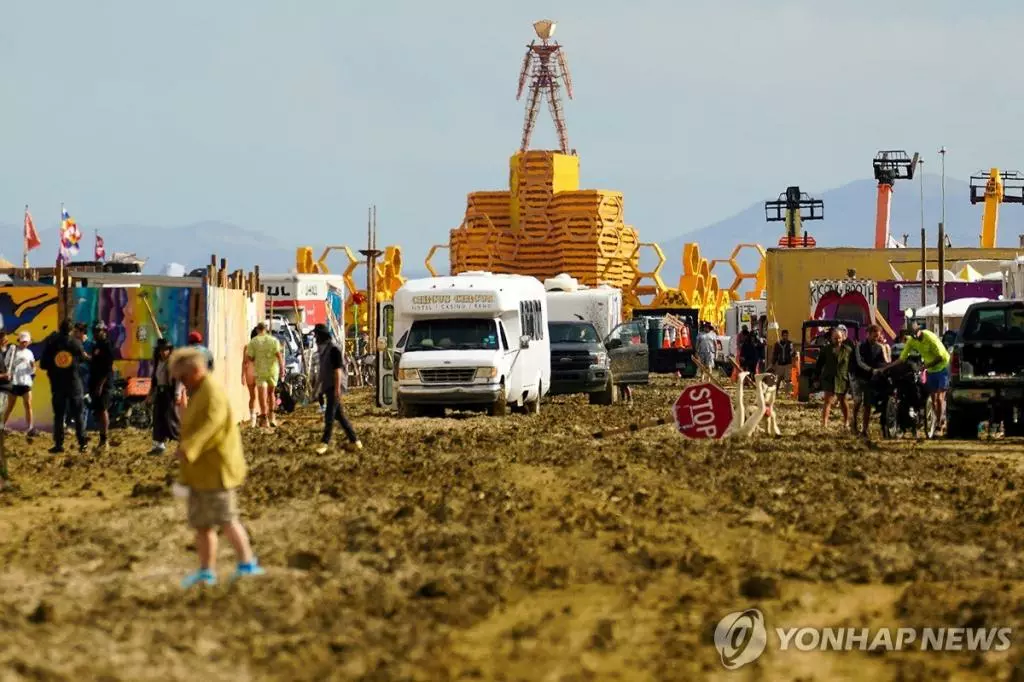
741 638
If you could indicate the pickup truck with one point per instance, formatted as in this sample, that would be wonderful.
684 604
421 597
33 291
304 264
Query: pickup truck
582 363
987 370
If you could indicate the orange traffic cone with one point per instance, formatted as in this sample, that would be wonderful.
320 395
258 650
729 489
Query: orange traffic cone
794 378
684 337
665 341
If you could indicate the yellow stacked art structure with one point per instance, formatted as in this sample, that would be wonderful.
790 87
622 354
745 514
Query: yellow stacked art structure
544 225
388 277
697 287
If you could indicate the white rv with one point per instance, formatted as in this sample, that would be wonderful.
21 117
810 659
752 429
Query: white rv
570 301
471 341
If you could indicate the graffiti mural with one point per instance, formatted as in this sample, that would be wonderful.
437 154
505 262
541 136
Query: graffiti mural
132 316
848 294
32 310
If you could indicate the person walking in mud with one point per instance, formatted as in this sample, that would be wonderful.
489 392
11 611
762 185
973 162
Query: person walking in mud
331 385
165 394
868 359
833 370
705 347
935 359
268 360
212 468
22 376
782 358
61 360
101 378
249 380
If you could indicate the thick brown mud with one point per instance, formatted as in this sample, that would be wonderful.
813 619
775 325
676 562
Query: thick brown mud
475 548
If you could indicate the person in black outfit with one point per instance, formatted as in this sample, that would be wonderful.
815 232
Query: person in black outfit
101 371
751 352
62 359
782 358
869 357
330 388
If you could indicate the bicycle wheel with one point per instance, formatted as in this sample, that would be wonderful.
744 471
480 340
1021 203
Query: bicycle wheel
928 420
889 418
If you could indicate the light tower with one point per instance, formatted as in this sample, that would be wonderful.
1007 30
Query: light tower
545 66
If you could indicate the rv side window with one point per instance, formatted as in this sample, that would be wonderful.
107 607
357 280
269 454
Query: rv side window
530 316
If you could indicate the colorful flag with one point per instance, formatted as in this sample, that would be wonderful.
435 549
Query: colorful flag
31 236
70 236
101 252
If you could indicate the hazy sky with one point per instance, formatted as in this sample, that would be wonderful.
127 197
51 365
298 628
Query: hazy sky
292 117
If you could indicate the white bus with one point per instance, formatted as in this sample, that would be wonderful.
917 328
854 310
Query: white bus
471 341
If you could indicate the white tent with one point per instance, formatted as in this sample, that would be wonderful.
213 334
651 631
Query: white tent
955 308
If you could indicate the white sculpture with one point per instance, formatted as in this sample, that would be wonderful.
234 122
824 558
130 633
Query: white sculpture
765 392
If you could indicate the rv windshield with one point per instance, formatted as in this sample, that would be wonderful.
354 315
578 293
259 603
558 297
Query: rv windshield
572 332
453 334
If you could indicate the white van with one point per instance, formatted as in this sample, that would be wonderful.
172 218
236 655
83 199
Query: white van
476 340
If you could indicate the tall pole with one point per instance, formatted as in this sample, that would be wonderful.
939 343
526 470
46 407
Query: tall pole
924 269
371 254
942 153
942 276
920 177
24 240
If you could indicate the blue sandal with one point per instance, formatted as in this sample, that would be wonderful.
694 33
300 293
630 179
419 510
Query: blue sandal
203 576
251 568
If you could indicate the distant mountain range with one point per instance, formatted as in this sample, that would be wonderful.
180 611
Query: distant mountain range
849 221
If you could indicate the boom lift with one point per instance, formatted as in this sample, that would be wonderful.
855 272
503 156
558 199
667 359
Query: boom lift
890 165
793 207
998 187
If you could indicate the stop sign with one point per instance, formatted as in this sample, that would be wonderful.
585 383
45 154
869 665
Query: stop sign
703 411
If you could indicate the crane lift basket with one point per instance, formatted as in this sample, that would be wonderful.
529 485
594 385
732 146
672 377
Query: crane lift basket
1013 187
793 207
894 164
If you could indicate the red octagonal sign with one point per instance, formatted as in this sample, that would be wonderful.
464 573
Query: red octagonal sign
703 411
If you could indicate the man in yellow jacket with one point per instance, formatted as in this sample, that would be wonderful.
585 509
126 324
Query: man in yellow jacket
212 467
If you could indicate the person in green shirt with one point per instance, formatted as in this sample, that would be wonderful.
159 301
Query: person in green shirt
935 358
833 370
267 357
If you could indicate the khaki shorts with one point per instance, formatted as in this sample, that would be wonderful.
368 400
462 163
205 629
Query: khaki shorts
212 508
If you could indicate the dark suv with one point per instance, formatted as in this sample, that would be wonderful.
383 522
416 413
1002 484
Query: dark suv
986 370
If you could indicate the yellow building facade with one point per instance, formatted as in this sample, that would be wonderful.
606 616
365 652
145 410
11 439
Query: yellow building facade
789 272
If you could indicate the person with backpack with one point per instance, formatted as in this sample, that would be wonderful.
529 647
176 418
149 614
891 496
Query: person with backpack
61 360
330 377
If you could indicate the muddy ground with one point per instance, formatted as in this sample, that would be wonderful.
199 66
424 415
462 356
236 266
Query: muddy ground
515 549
